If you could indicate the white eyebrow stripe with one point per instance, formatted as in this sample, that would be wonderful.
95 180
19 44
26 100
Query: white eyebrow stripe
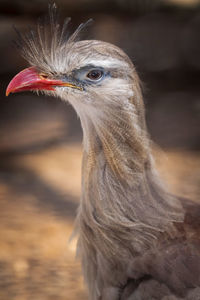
106 63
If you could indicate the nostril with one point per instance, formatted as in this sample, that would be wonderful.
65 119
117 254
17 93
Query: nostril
43 76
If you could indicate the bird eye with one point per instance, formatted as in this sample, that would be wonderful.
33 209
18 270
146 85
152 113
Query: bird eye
95 75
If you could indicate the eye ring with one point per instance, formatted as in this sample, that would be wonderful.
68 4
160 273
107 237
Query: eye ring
95 74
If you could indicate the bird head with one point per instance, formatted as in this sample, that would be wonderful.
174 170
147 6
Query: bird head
94 76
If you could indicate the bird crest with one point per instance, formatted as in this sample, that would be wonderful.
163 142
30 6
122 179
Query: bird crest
41 45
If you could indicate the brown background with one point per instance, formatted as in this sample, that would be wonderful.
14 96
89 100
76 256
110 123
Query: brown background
40 137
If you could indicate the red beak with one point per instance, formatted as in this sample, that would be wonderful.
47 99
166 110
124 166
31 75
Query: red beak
30 79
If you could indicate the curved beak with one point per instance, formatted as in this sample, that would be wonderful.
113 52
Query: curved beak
30 79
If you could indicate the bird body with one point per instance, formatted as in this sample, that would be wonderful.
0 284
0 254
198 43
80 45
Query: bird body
136 241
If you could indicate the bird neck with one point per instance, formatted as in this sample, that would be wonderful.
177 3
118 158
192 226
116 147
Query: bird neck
122 196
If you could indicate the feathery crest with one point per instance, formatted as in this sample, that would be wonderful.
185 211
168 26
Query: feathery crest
41 46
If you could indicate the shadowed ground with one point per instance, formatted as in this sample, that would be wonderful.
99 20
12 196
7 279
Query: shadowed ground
37 214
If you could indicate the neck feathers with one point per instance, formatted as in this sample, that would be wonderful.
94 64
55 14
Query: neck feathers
124 204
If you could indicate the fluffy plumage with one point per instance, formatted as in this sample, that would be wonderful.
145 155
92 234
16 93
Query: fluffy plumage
136 241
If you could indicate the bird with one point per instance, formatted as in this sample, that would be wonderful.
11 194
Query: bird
136 241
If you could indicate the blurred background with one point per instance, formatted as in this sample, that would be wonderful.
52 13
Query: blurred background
40 137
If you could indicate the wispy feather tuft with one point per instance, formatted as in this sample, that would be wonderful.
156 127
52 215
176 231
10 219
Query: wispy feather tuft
43 45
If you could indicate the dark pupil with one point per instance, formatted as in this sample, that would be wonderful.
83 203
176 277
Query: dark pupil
94 74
